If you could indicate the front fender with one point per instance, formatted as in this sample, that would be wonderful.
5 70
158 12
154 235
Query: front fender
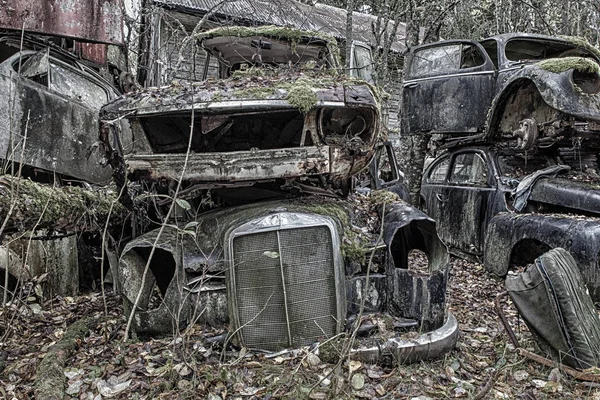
579 235
556 89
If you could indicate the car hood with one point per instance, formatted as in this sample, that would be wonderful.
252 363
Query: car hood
569 193
255 88
198 245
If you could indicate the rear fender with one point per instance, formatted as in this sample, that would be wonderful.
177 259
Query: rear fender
526 236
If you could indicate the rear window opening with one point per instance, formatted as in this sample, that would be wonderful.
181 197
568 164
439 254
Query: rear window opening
226 133
529 49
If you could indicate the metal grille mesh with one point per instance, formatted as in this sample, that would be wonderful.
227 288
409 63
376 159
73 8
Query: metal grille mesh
289 269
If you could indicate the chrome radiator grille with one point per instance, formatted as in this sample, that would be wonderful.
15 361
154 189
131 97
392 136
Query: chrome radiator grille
285 287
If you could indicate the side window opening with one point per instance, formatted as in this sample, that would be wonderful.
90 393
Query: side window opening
76 86
470 57
385 165
491 48
445 59
470 169
439 172
362 62
36 68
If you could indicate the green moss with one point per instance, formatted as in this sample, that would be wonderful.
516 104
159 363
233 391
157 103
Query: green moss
302 96
331 351
558 65
352 247
330 210
276 32
379 197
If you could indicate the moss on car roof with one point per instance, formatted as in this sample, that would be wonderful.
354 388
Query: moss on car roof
275 32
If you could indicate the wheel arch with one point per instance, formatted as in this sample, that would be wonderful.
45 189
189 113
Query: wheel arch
519 99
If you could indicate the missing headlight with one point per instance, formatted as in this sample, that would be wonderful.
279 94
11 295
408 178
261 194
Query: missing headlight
588 82
339 124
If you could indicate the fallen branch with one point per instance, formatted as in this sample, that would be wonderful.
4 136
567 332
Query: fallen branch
69 208
584 375
49 381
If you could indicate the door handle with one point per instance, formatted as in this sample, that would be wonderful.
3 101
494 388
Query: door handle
441 198
411 85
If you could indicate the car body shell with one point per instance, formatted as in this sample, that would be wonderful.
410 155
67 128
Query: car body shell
482 95
57 118
476 219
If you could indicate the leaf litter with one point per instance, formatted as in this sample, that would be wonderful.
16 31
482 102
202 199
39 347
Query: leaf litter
484 363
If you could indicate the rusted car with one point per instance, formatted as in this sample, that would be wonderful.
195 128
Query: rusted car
49 105
262 125
282 257
528 179
531 87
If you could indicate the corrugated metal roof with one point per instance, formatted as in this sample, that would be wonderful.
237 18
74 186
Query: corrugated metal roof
320 17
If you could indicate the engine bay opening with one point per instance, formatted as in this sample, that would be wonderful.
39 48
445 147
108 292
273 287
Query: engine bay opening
279 129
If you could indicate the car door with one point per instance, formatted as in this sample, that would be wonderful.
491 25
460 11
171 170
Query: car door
434 188
460 202
470 191
448 88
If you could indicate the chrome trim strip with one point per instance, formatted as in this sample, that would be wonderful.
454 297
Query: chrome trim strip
407 82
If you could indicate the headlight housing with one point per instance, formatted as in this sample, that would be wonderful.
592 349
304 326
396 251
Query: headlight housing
587 82
338 126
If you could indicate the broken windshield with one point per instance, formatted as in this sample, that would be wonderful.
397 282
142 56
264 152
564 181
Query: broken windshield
169 133
235 53
445 59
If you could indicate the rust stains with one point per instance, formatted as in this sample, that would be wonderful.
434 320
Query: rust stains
88 20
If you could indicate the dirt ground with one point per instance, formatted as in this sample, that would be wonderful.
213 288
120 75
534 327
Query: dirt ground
483 365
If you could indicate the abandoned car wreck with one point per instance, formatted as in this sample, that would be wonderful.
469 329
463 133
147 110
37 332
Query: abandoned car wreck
40 82
262 121
49 106
273 260
530 87
518 175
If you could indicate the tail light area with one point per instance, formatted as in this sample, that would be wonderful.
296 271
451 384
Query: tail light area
285 281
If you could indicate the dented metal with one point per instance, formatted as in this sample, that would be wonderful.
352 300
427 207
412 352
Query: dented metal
475 204
51 123
280 112
277 273
204 278
489 88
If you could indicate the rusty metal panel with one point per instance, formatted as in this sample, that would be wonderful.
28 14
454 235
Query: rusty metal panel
90 20
95 52
234 166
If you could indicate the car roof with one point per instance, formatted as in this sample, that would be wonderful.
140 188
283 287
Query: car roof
508 36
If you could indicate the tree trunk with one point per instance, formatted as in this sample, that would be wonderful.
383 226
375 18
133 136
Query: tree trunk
349 10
